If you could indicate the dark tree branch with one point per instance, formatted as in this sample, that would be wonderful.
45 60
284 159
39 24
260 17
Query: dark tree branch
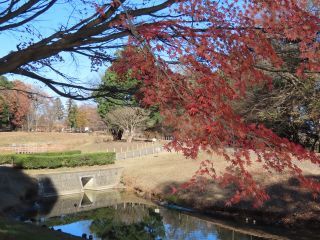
29 93
26 20
44 80
21 10
98 92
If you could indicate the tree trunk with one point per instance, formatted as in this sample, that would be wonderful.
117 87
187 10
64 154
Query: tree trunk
130 137
116 134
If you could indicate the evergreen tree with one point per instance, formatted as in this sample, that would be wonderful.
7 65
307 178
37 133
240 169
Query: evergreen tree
58 109
72 113
4 115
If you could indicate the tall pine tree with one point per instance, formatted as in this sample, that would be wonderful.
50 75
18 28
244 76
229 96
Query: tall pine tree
72 114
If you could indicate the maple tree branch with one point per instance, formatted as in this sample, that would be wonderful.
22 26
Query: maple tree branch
280 70
95 55
20 10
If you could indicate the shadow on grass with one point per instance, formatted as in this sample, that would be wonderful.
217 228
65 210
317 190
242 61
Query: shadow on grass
290 207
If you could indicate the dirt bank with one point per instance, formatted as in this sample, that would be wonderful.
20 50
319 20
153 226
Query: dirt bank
289 205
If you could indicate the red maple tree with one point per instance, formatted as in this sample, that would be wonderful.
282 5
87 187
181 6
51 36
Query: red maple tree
228 47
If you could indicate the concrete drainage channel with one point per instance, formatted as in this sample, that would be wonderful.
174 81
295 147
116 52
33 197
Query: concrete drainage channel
87 182
62 183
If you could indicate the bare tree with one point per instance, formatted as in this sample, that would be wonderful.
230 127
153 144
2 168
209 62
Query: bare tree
32 116
129 119
93 120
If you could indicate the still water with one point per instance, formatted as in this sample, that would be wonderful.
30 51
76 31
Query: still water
114 215
143 222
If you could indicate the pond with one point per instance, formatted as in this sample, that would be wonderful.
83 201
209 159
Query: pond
115 215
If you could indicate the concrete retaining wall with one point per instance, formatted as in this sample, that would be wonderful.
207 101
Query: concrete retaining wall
74 182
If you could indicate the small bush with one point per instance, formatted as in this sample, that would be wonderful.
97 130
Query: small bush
36 161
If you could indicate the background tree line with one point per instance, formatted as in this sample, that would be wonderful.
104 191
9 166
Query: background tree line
26 107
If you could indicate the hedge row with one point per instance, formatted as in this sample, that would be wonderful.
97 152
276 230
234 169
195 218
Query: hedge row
56 153
34 161
9 158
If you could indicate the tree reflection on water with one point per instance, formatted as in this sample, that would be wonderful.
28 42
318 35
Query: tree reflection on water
135 221
128 223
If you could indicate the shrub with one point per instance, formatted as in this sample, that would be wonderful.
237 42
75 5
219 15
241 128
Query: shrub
36 161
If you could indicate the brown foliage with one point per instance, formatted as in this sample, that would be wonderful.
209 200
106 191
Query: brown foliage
18 102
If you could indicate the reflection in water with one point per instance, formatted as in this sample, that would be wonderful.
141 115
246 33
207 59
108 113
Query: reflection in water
122 220
148 224
181 226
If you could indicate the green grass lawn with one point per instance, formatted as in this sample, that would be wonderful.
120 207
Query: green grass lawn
12 230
